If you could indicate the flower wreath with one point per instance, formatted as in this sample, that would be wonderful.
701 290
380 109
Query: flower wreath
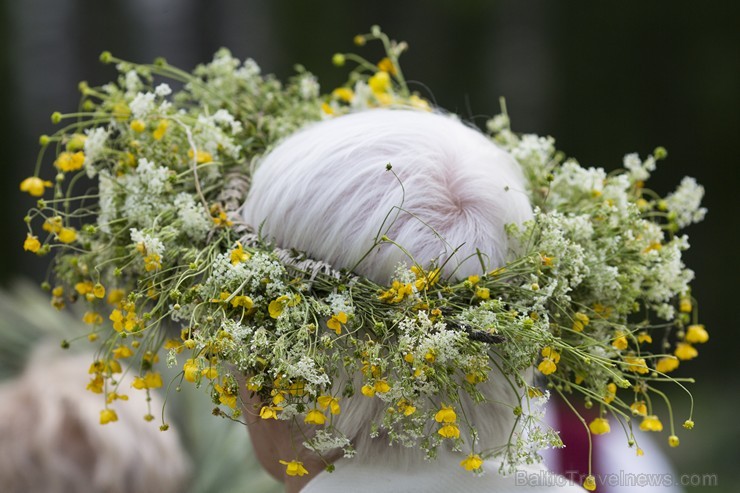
144 220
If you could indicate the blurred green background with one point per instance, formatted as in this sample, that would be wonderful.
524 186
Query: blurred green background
604 78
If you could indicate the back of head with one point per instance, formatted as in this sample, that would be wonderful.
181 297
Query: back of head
326 191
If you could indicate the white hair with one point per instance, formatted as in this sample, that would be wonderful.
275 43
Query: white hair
325 191
51 442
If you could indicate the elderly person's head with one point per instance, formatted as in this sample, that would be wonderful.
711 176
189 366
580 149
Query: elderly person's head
326 191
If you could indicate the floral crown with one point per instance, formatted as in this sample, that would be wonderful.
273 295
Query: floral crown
144 221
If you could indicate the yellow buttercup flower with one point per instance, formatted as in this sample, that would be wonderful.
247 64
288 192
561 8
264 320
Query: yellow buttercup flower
115 296
67 235
471 462
242 301
551 353
294 468
138 126
160 130
343 94
277 306
35 186
380 82
406 407
696 334
108 416
667 364
445 415
636 365
482 293
368 390
225 396
620 341
381 386
122 352
651 423
589 483
315 417
673 441
449 431
210 372
547 366
386 65
336 321
643 336
96 384
270 412
331 402
68 161
92 318
31 244
611 393
599 426
639 408
98 291
150 380
688 424
685 305
238 254
191 371
580 321
200 156
685 351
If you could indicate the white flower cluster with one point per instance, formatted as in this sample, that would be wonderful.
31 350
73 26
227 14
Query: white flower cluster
685 202
151 244
195 220
94 147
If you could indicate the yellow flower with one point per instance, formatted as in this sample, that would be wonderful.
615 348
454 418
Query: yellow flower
31 244
294 468
449 431
599 426
589 483
386 65
99 291
117 318
343 94
151 380
482 293
331 402
684 305
667 364
580 321
639 408
277 306
408 358
406 407
315 417
688 424
368 390
270 412
336 321
122 352
68 161
238 254
611 392
160 130
327 109
381 386
636 365
547 366
639 452
138 126
190 370
35 186
696 334
473 280
242 301
96 384
53 224
620 341
67 235
673 441
471 462
651 423
225 396
108 416
92 318
685 351
115 296
210 372
200 156
643 336
445 415
551 353
380 82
